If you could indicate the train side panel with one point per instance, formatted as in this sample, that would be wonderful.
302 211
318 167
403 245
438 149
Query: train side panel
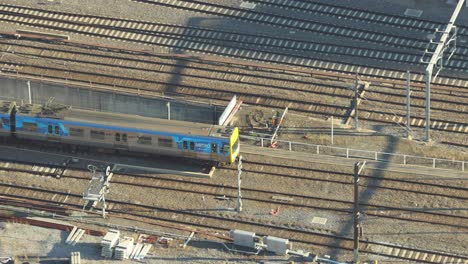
39 129
93 135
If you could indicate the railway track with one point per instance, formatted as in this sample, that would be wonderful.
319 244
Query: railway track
396 39
356 14
224 222
394 182
403 40
261 195
187 37
33 51
316 87
377 100
238 45
183 88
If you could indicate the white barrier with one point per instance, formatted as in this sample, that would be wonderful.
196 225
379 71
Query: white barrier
396 158
227 111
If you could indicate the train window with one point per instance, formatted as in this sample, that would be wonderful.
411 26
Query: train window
76 132
57 130
225 148
49 129
192 145
144 140
31 127
165 142
117 136
97 134
214 148
185 144
124 137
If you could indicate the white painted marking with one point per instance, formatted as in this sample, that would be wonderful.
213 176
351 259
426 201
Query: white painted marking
413 12
248 5
319 220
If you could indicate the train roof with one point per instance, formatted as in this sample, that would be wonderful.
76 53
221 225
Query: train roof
131 121
124 120
6 107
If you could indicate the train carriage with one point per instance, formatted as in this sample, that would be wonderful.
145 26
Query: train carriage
133 133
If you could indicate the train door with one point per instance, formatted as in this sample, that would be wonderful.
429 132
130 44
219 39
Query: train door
53 132
121 140
214 151
189 148
13 122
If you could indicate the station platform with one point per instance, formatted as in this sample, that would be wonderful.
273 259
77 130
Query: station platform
342 161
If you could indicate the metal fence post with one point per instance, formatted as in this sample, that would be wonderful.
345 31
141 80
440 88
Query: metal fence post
376 155
290 149
463 163
433 163
318 149
347 153
404 159
239 180
168 104
261 140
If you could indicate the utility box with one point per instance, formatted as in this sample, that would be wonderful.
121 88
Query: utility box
277 245
243 238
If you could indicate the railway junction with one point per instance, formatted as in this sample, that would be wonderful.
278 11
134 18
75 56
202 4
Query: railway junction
260 131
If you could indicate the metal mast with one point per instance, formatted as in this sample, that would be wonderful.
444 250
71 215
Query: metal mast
448 38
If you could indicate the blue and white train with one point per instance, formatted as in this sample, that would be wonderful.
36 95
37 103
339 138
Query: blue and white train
119 131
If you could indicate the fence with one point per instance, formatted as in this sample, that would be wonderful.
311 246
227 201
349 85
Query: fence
396 158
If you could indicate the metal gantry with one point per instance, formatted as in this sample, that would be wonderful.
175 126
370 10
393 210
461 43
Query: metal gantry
408 105
98 187
356 102
447 42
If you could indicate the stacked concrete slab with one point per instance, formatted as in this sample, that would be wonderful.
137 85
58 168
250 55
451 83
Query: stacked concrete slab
144 250
75 258
124 248
74 236
109 242
136 250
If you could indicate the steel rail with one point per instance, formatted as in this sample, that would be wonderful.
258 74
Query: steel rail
209 40
295 84
225 223
361 15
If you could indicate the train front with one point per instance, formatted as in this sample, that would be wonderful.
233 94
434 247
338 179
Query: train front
234 145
